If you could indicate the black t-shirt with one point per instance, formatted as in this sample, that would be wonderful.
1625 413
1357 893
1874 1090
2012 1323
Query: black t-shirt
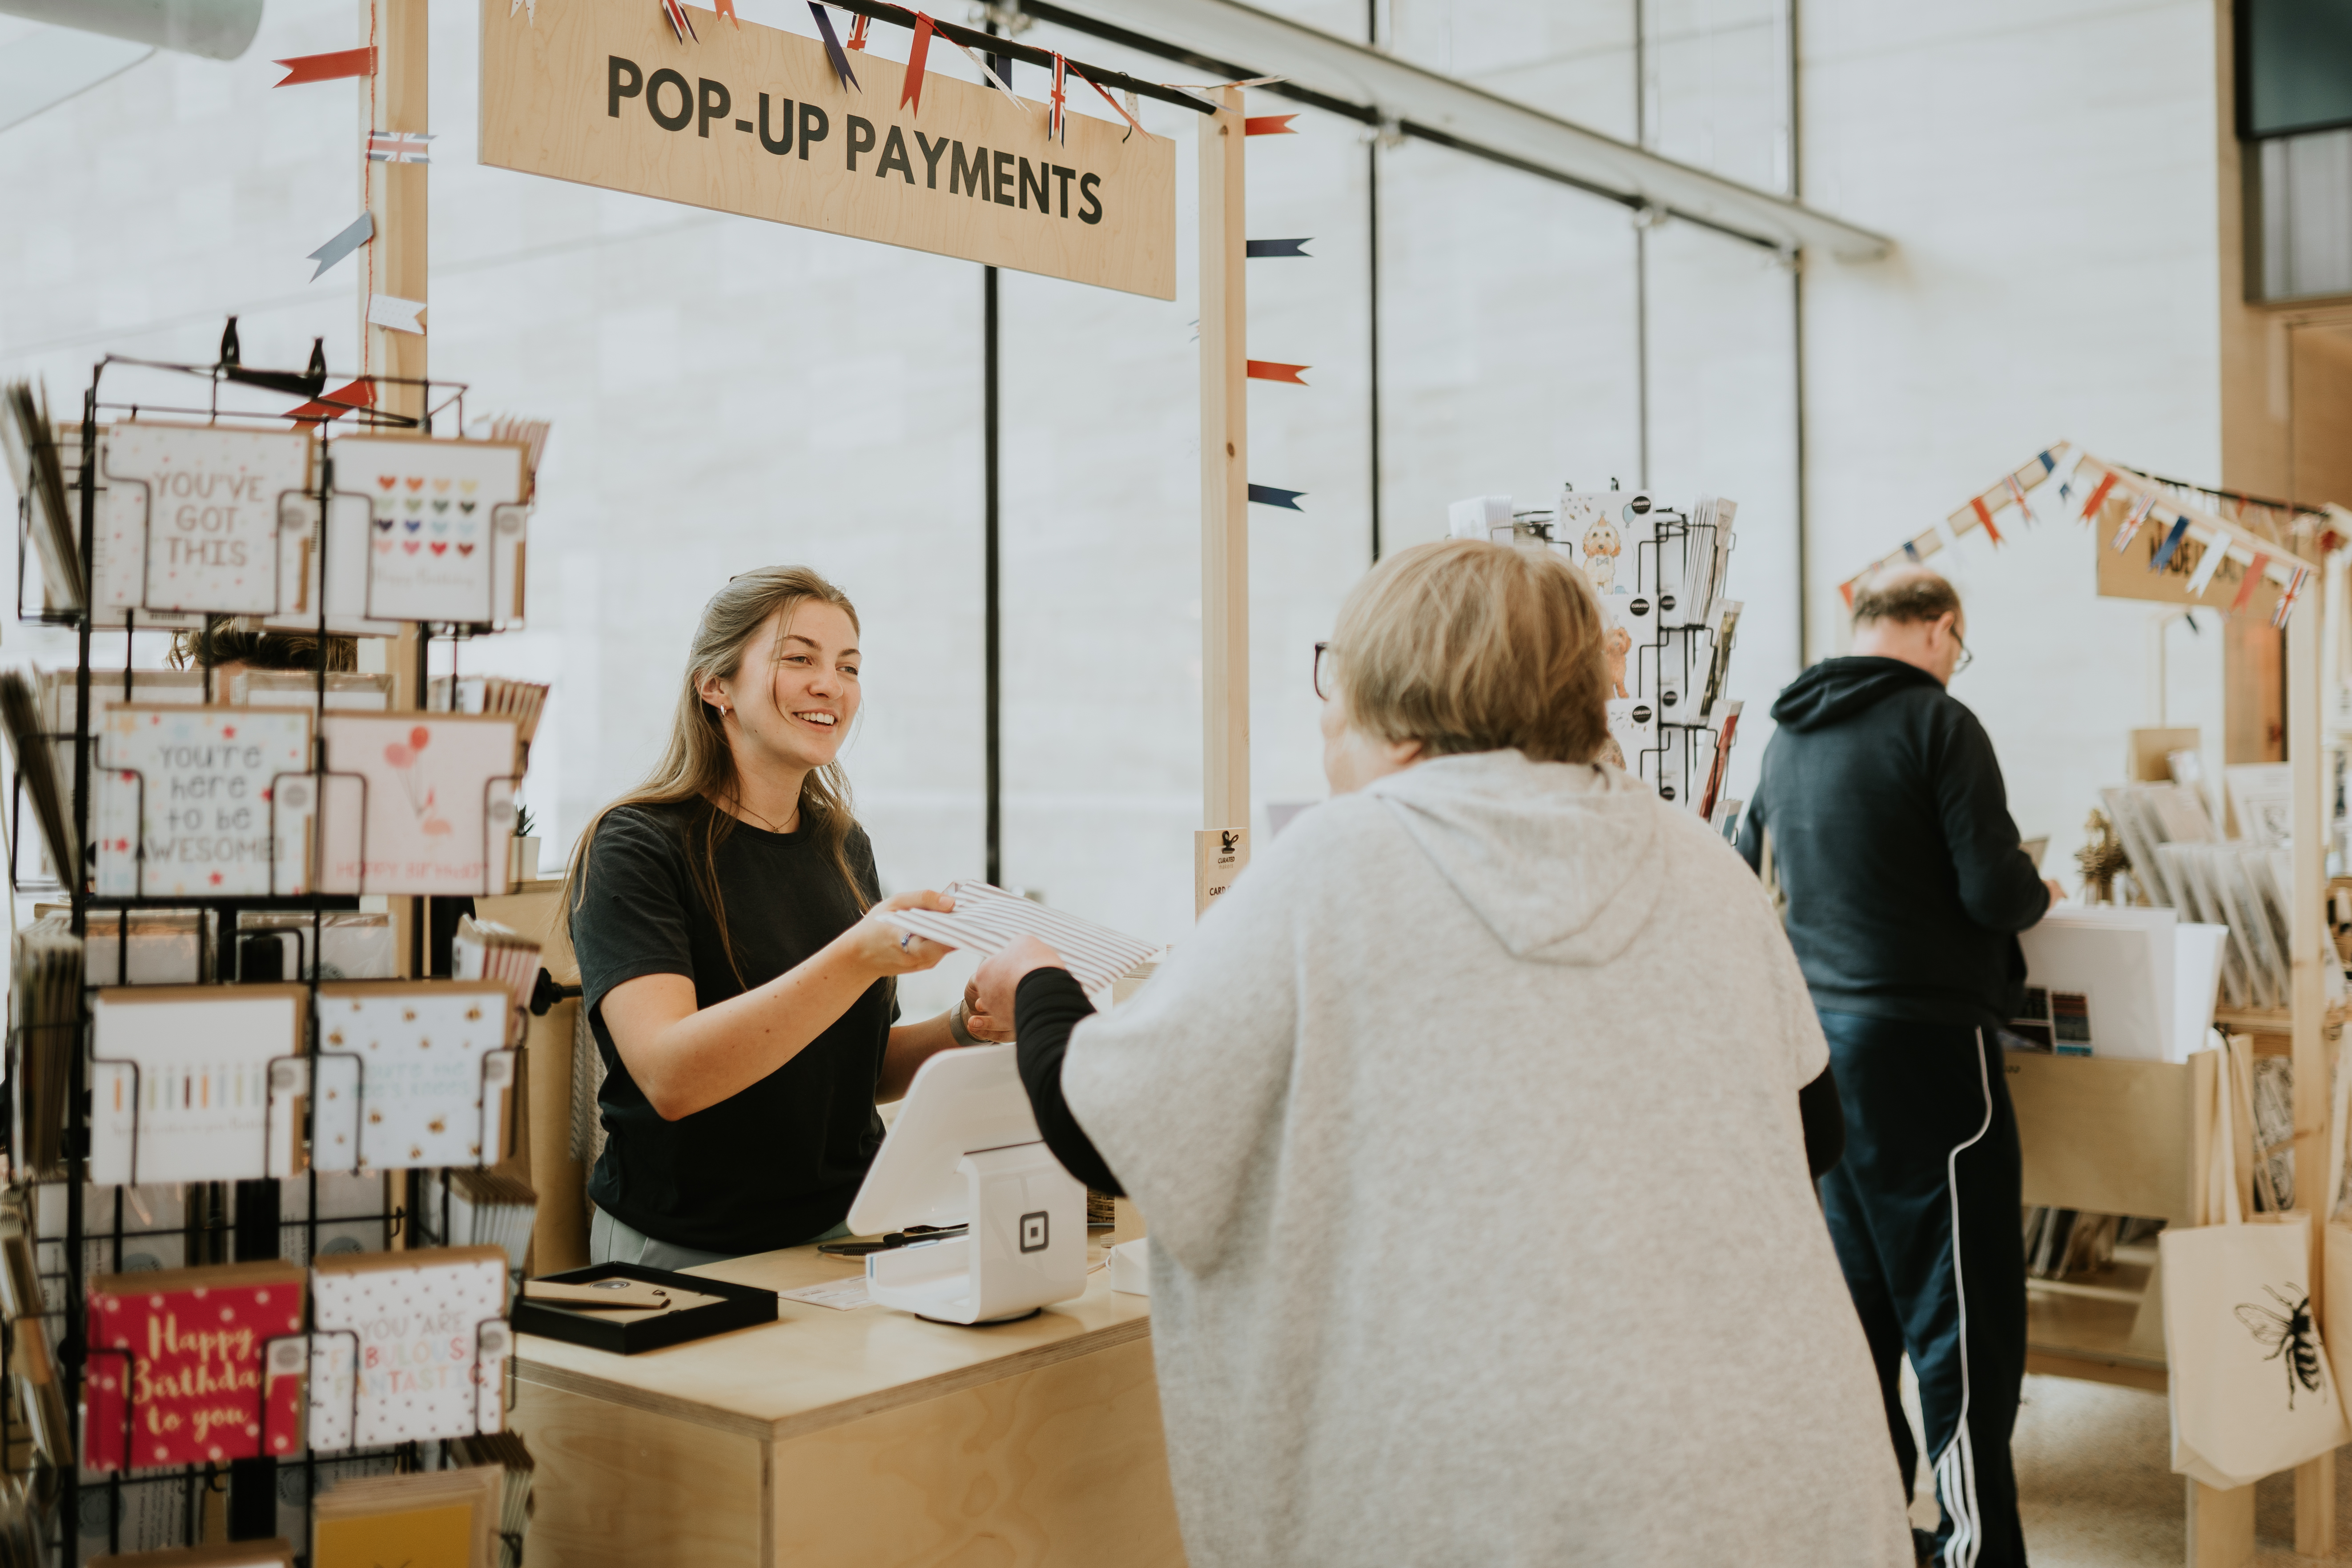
780 1161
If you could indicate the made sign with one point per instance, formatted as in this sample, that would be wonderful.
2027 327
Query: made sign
751 120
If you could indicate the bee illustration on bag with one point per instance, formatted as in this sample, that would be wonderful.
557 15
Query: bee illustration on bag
2291 1336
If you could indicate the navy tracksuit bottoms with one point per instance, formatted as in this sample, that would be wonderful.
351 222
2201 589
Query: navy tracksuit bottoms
1922 1210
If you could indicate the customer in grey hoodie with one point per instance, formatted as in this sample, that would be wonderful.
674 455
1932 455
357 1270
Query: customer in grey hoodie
1467 1127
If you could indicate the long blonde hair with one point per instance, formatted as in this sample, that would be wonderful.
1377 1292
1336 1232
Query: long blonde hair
699 765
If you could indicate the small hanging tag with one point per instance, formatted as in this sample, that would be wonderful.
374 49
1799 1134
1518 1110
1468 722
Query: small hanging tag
1219 854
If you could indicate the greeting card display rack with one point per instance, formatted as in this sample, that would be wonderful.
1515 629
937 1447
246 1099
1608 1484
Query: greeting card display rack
225 1222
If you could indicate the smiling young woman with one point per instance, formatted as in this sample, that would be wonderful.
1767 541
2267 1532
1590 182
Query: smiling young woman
739 983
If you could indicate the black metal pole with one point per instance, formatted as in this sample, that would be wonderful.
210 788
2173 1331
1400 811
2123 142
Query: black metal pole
991 605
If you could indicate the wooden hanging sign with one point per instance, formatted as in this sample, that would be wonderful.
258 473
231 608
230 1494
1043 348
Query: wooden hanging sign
751 120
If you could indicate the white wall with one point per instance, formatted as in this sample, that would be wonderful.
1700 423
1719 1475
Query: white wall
2047 170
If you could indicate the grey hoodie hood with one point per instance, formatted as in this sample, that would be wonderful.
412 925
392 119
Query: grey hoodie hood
1562 861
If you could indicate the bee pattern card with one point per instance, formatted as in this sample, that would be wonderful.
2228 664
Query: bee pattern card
212 494
203 802
418 803
431 1074
408 1346
179 1082
429 553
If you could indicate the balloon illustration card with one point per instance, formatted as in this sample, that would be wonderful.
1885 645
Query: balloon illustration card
212 494
428 1079
409 1345
418 803
203 802
430 555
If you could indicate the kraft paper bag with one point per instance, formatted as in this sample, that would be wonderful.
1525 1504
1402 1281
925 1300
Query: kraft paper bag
2252 1392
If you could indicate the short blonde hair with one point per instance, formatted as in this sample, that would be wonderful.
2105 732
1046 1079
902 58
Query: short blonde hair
1470 646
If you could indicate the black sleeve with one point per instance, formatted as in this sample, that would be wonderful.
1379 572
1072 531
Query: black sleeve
631 919
1752 834
2000 886
1046 1008
1824 1119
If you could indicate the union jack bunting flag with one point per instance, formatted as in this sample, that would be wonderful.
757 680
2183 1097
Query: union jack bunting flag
1057 115
398 147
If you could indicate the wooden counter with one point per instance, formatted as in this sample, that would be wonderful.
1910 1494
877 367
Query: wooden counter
869 1438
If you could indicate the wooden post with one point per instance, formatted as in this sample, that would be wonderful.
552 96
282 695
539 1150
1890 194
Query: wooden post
2314 1481
393 264
1224 473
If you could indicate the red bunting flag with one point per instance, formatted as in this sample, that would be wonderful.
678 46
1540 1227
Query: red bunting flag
1270 370
2090 507
1269 125
2246 586
1984 515
727 9
912 92
335 405
332 67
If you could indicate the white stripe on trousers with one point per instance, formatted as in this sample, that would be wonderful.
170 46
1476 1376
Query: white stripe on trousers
1956 1468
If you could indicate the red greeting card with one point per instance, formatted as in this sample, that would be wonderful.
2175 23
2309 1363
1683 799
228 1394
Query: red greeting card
182 1368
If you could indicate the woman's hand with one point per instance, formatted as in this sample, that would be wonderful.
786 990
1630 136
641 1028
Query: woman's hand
886 949
992 987
977 1020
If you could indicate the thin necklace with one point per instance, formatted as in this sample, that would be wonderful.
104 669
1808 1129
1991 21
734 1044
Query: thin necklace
761 821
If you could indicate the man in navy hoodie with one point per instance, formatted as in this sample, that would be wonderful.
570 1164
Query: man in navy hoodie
1890 835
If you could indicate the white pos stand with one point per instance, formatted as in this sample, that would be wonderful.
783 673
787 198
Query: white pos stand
965 1151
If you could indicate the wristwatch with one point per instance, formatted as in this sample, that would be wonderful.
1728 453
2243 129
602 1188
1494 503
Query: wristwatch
962 1035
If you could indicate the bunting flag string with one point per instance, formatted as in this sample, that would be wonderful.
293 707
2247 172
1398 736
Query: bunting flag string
2090 507
1266 495
988 75
2131 523
2287 597
332 67
832 50
399 147
1127 114
1979 508
1058 122
1271 369
1269 125
2217 550
2246 588
919 52
2164 551
356 233
680 24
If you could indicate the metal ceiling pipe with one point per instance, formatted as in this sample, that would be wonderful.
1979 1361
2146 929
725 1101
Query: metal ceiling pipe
216 29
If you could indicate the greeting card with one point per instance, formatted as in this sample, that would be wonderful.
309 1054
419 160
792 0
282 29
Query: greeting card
409 1345
423 1072
211 495
417 804
181 1082
182 1368
430 556
426 1519
119 544
196 802
344 550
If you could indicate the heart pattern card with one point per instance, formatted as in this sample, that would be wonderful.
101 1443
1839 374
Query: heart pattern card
344 549
203 802
430 555
181 1083
182 1368
212 494
418 803
409 1345
429 1079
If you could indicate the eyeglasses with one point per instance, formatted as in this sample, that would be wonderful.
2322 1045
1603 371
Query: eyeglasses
1966 658
1324 683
